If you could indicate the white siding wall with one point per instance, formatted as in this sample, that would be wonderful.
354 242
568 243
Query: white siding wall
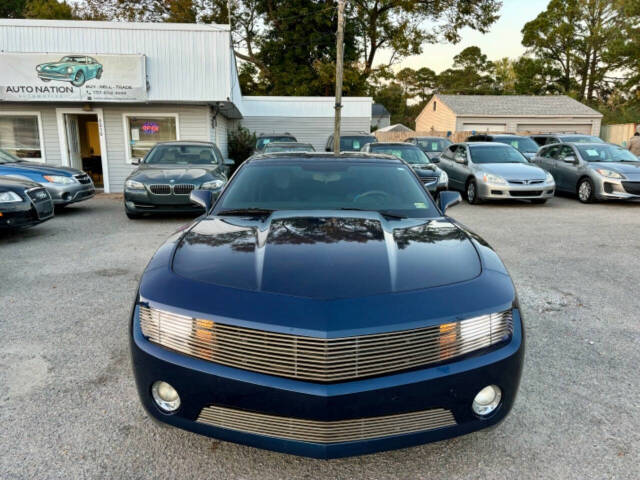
314 130
220 133
193 122
50 142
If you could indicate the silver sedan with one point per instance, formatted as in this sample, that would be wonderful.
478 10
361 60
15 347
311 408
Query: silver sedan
593 171
495 171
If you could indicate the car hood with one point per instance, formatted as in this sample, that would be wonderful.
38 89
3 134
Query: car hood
177 173
514 171
45 169
326 255
626 168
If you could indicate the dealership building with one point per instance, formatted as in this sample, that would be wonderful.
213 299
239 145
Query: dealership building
97 95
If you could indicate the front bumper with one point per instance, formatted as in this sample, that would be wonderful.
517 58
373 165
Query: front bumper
451 386
516 192
23 215
71 193
614 189
142 201
50 75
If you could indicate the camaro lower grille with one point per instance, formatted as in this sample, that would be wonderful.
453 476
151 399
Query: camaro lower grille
326 432
322 359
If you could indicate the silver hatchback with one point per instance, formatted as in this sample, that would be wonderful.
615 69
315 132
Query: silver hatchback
495 171
593 171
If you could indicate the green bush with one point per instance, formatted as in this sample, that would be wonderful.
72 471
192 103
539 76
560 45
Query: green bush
241 145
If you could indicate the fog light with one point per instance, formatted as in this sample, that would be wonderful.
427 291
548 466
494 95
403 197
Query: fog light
165 396
487 400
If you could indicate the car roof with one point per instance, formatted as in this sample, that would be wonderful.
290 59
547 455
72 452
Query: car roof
400 144
434 137
185 142
588 144
311 156
351 134
288 144
484 144
284 134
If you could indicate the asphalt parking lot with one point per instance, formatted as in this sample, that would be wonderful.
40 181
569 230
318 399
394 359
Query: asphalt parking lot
70 408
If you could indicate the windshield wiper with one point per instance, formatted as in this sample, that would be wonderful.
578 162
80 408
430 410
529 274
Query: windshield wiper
245 211
384 213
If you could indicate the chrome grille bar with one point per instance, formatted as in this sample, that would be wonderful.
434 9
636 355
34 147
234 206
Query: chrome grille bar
321 359
326 432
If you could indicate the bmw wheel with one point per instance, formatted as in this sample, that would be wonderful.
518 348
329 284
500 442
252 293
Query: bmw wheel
472 192
78 80
585 190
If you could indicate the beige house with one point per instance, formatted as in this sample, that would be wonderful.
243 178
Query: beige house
507 113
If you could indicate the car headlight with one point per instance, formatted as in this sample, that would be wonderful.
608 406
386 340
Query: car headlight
549 178
10 197
494 179
38 68
212 185
59 179
609 173
69 70
444 178
133 185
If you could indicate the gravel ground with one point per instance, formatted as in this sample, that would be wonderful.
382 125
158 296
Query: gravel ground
70 408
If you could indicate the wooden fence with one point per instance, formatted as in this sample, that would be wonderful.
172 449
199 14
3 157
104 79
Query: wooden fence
620 133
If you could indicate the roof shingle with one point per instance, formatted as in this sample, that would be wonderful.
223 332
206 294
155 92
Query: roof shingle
516 105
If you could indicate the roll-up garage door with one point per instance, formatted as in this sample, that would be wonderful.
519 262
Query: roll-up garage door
558 127
484 127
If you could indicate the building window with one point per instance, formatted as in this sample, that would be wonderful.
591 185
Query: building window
20 135
144 131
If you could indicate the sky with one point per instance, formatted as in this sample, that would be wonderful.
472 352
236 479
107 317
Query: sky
503 40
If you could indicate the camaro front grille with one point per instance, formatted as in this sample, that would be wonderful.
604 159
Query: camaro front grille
322 359
326 432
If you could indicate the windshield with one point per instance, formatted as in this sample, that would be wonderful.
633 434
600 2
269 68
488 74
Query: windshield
522 144
72 59
260 144
582 139
355 143
292 148
6 157
408 153
434 144
182 155
327 185
496 154
605 153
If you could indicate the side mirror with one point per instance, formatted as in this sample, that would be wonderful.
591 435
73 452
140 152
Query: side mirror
434 159
448 199
462 161
135 161
204 198
229 162
570 159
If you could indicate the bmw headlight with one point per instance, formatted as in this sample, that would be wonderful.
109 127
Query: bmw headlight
212 185
10 197
494 179
444 178
609 173
70 70
59 179
549 178
133 185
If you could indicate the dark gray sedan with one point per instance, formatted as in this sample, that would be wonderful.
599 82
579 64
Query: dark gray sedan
593 171
168 173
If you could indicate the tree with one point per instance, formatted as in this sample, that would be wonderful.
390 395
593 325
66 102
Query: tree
505 75
472 73
182 11
48 9
12 8
534 76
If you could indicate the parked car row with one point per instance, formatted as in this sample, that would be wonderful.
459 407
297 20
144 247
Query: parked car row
29 191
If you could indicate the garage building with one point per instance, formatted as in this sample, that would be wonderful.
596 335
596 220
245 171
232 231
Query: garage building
507 113
99 95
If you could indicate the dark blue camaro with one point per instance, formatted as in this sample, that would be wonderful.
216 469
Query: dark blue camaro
326 307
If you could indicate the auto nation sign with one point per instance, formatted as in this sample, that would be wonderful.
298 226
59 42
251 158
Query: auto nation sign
72 77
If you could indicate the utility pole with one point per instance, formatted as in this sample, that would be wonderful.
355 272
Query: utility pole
339 73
